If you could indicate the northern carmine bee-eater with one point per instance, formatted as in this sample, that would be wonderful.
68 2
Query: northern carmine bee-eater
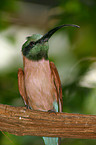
39 82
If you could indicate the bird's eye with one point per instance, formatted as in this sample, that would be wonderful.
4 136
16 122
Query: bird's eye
32 43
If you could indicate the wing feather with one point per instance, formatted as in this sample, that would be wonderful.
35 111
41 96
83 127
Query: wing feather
57 83
21 85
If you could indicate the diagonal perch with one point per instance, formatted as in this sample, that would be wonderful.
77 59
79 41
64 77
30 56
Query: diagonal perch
21 121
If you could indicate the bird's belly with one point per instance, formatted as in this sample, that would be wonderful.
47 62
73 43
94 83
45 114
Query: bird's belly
40 88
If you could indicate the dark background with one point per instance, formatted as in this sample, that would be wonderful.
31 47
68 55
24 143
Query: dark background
72 50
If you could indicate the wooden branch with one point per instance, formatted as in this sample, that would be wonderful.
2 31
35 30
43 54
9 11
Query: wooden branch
22 121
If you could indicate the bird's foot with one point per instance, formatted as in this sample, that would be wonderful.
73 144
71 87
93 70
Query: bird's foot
28 107
52 111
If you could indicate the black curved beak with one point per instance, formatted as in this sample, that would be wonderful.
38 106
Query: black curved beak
47 36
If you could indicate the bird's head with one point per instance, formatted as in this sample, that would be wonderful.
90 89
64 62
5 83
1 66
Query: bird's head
36 47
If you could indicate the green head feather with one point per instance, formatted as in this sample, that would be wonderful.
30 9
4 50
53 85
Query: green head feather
34 38
33 50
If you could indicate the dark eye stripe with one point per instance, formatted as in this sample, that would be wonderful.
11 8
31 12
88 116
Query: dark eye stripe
27 48
32 43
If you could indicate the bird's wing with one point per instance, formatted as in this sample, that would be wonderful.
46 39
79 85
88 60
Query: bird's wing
21 85
57 83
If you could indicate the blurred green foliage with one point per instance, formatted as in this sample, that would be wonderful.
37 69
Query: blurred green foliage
7 7
77 99
83 13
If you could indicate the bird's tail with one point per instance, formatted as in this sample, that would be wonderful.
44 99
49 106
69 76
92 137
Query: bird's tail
50 140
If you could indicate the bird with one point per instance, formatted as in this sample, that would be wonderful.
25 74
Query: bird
39 82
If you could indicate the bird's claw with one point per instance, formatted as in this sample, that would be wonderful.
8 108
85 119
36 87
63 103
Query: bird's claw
28 107
52 111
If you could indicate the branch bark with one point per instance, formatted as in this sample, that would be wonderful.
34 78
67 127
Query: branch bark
21 121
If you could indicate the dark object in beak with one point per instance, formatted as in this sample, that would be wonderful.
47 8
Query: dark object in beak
47 36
